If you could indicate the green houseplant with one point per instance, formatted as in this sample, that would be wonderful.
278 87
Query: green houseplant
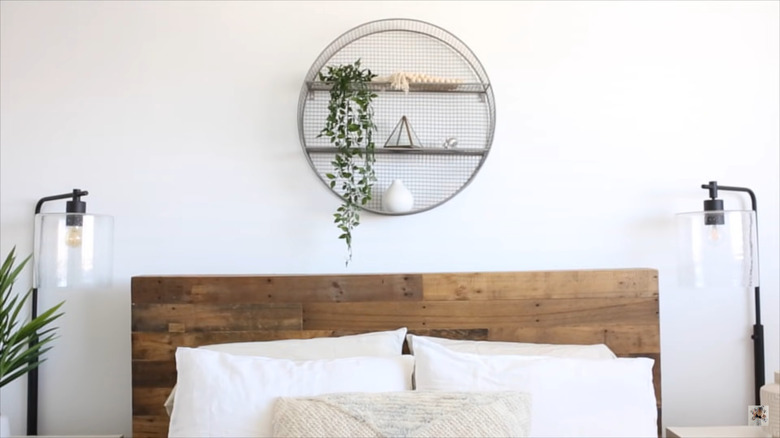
22 342
350 128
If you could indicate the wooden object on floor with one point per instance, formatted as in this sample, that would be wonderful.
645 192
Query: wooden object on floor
616 307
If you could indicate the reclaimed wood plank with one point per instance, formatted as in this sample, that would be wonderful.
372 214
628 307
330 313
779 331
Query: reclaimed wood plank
276 288
328 288
151 401
215 317
622 283
621 339
160 289
149 426
479 314
162 346
154 373
624 340
578 335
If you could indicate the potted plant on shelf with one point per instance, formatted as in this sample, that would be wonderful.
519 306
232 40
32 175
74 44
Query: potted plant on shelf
22 344
350 128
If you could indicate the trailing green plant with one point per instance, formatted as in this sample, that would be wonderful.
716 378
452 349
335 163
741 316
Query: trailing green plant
350 128
22 344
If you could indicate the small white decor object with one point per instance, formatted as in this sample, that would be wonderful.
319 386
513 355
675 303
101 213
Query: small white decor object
397 198
770 397
404 81
450 143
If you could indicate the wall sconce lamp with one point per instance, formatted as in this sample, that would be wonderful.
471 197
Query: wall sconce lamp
70 250
719 247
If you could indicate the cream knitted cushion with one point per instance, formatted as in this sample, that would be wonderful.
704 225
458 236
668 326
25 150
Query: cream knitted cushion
404 414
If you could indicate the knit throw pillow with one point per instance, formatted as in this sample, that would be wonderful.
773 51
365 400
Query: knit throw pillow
404 414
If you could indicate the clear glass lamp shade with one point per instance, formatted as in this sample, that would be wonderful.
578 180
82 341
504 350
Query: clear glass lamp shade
723 255
73 250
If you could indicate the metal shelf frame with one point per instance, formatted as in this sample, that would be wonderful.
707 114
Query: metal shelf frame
403 151
457 108
419 87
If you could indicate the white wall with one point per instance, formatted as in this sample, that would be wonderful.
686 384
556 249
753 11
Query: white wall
180 119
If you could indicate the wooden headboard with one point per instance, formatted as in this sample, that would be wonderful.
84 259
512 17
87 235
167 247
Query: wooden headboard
616 307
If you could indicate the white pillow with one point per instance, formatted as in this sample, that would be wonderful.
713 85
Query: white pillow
385 343
570 397
594 351
225 395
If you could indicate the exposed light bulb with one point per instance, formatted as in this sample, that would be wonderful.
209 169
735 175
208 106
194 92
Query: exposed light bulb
714 233
73 236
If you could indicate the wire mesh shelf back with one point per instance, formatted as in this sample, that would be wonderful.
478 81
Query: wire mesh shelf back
444 94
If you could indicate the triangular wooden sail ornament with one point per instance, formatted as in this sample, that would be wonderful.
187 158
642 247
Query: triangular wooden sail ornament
403 136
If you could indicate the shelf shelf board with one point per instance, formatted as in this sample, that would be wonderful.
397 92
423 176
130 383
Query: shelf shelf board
420 87
403 151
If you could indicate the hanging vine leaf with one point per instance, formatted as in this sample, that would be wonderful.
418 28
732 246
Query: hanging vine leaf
350 128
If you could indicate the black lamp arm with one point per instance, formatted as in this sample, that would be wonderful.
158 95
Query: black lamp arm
758 329
713 187
76 194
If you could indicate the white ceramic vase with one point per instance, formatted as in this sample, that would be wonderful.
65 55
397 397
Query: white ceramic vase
770 397
397 198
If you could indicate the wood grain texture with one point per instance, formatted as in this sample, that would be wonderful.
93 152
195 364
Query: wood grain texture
621 283
622 339
208 317
616 307
151 400
276 289
479 314
162 346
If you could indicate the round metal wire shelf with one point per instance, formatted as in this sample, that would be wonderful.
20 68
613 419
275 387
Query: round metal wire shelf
448 108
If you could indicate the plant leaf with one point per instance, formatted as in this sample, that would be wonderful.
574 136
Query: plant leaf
349 127
22 343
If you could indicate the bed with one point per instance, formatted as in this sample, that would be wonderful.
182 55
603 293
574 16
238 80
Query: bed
615 307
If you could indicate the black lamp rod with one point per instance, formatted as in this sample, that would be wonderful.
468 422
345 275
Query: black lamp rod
32 375
758 329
